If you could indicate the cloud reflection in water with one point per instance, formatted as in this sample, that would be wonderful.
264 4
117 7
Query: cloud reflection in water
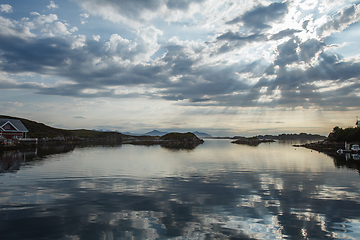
209 199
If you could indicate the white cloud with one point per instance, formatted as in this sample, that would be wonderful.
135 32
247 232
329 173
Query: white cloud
83 17
340 21
52 5
96 38
49 25
14 29
138 13
79 41
6 8
308 4
331 6
45 19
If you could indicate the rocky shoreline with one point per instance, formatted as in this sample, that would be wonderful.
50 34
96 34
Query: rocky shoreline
323 146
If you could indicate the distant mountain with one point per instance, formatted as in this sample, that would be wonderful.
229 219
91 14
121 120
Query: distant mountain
130 133
155 133
102 130
202 135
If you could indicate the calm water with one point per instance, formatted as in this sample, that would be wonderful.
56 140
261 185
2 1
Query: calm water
217 191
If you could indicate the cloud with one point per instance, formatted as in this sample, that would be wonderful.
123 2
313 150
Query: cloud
236 40
287 53
11 29
181 4
261 16
286 67
52 5
11 84
230 36
134 13
285 33
83 17
340 20
6 8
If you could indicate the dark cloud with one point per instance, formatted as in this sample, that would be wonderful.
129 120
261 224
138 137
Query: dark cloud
284 33
305 24
309 49
261 16
236 40
19 55
287 53
177 60
231 36
181 4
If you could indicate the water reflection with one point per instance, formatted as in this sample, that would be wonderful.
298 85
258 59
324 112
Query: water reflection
224 193
11 161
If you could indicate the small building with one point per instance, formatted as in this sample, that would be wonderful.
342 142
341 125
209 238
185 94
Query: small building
357 123
12 128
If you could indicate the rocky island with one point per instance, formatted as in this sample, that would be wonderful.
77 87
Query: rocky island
252 141
171 140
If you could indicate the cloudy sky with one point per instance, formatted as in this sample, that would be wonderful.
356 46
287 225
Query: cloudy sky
231 67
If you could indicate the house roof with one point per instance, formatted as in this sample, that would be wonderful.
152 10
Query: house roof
15 122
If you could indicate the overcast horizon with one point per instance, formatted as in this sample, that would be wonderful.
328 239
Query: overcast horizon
226 68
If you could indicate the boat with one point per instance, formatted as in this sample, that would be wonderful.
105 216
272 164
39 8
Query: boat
340 151
355 148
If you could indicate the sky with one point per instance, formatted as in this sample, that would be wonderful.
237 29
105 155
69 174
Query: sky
231 67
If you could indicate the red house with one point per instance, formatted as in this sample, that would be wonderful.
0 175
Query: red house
12 128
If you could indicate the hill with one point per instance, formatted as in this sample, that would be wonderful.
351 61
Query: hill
44 132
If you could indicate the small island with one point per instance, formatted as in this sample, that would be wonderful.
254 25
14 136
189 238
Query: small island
252 141
170 140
